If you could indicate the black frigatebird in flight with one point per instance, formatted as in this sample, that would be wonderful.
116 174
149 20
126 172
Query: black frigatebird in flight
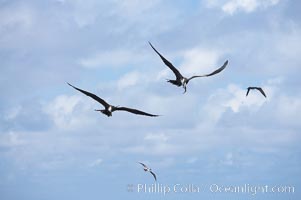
109 109
256 88
147 169
181 80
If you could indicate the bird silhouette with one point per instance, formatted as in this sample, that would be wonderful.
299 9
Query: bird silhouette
147 169
256 88
180 79
109 109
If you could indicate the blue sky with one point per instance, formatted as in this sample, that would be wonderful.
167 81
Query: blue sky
54 146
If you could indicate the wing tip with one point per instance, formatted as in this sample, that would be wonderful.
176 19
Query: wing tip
142 164
152 46
70 84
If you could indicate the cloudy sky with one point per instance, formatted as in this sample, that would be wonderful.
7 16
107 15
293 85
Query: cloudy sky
54 146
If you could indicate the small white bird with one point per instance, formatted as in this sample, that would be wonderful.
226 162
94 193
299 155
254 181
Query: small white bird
147 169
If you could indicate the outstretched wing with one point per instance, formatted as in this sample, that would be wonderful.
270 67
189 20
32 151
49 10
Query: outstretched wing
168 64
137 112
248 91
93 96
262 92
143 165
153 175
212 73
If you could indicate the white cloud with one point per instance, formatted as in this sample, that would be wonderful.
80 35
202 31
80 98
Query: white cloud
287 47
248 6
234 97
161 149
20 17
134 8
69 112
84 12
13 113
195 61
129 79
63 104
288 110
239 99
165 163
199 61
109 59
228 160
11 139
120 15
156 137
96 163
213 3
164 74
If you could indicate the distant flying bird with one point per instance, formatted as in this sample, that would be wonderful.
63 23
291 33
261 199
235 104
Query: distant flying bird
147 169
256 88
181 80
109 108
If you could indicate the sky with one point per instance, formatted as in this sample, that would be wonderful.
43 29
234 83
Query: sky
53 145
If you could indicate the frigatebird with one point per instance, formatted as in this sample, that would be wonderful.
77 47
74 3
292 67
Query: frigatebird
256 88
181 80
147 169
109 109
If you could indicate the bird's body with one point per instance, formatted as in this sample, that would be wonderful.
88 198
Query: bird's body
147 169
109 109
184 81
180 79
256 88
